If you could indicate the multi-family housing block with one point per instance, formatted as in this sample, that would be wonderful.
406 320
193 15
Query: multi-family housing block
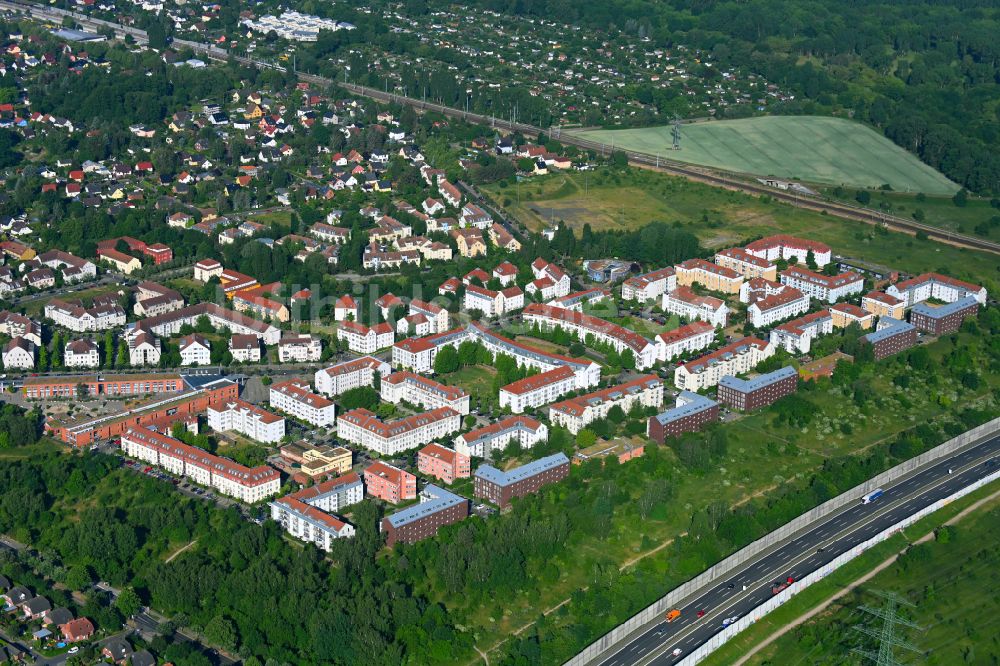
827 288
389 483
294 397
171 323
796 336
789 302
550 280
943 319
153 299
582 325
15 325
577 413
649 286
256 423
348 375
685 303
19 354
714 277
405 386
845 314
244 348
143 348
748 265
248 484
501 488
81 354
306 514
882 304
689 414
437 508
195 349
736 358
436 315
362 427
366 339
493 303
688 338
524 430
537 390
750 394
75 317
935 285
891 337
578 299
302 348
443 463
784 247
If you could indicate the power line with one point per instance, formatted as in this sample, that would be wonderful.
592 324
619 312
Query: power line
886 635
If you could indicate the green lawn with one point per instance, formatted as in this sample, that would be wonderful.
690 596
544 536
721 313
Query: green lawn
722 218
807 148
476 379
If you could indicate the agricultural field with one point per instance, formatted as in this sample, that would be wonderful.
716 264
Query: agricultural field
947 580
812 149
609 199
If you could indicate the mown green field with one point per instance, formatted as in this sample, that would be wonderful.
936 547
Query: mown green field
814 149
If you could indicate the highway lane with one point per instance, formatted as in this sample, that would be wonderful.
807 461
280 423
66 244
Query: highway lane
749 586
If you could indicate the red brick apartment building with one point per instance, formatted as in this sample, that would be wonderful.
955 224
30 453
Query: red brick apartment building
438 507
443 463
747 395
943 319
502 487
892 337
691 412
390 483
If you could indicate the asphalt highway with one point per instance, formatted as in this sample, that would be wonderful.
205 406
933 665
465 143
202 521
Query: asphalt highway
750 585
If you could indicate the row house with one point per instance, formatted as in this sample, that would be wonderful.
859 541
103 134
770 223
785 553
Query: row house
493 303
748 265
736 358
823 287
303 348
437 508
470 242
714 277
683 340
449 193
550 280
582 325
787 248
330 234
247 484
845 314
537 390
443 463
577 413
75 317
796 336
750 394
523 430
256 423
349 375
943 319
362 427
649 286
429 249
685 303
295 398
376 257
405 386
935 285
500 488
881 304
690 413
787 303
363 339
389 483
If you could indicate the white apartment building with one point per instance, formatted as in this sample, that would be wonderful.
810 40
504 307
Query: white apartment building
360 426
577 300
206 269
15 325
758 288
335 494
493 303
405 386
649 286
688 338
712 276
19 354
309 524
685 303
935 285
294 26
256 423
414 324
246 484
171 323
294 397
436 315
345 376
788 303
784 247
748 265
195 350
620 338
576 413
823 287
362 339
537 390
735 358
796 336
143 349
550 280
81 354
81 320
299 349
244 348
346 308
524 430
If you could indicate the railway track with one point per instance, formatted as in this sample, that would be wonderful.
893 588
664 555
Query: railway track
741 183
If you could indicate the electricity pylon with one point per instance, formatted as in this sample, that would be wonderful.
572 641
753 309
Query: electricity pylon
886 636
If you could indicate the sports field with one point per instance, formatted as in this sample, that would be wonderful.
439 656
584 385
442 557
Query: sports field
813 149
